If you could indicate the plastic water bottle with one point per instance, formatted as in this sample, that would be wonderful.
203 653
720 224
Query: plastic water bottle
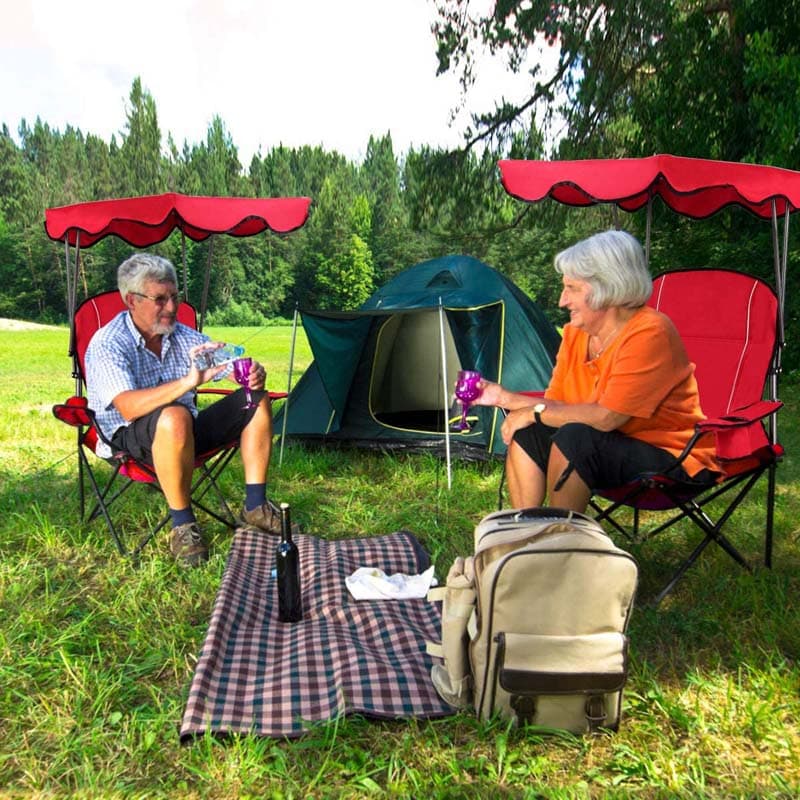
215 358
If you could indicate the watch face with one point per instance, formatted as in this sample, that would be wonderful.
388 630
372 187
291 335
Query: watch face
539 407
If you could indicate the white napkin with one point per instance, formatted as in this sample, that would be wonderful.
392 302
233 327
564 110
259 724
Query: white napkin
370 583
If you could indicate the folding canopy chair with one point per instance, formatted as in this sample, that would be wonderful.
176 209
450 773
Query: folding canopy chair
128 471
737 349
733 351
142 222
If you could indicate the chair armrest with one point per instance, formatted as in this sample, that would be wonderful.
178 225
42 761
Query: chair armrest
75 412
740 434
221 391
741 417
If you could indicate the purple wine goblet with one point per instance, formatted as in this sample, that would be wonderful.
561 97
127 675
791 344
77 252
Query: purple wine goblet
241 373
466 391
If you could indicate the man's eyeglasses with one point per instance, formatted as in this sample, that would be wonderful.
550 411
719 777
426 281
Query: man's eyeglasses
161 299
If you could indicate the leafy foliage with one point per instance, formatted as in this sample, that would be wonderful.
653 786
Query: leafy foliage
607 79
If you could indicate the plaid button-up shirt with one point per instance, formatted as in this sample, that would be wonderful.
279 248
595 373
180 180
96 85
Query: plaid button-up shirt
118 361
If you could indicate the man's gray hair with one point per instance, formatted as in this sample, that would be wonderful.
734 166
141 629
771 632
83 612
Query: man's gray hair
613 264
138 269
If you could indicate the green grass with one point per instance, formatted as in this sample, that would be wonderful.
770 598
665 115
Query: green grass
96 657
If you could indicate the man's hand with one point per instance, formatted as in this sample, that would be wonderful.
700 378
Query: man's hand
258 377
201 376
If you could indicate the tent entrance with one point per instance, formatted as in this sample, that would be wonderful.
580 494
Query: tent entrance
405 389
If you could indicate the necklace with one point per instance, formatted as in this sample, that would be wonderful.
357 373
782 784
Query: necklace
603 342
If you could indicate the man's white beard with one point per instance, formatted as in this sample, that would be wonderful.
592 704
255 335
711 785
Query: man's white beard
164 329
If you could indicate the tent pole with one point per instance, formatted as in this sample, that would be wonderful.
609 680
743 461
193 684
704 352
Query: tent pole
288 386
647 230
444 396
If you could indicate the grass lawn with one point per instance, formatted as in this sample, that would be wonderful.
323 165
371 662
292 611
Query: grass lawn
96 657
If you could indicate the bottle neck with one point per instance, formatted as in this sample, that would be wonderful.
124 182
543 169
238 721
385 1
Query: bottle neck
286 524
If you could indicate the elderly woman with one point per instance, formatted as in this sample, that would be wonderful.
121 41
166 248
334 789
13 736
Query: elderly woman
622 398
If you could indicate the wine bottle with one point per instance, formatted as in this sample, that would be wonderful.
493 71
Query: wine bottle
290 607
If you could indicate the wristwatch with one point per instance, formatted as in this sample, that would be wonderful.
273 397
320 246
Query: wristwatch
538 410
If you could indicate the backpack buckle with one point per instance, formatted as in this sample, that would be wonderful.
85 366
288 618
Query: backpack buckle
595 710
525 707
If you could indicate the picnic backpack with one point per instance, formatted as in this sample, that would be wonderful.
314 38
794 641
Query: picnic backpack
533 624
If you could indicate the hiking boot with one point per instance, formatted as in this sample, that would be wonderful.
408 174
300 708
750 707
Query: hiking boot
266 517
186 543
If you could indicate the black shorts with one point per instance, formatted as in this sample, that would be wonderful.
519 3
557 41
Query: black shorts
603 459
215 426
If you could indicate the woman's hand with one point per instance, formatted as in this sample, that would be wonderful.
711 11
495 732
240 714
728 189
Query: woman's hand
490 394
514 421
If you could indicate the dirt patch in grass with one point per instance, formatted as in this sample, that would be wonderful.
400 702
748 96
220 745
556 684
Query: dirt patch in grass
22 325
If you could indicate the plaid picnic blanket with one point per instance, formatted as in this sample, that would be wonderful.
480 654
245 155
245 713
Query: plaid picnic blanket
258 675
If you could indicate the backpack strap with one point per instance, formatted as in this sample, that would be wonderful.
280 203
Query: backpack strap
595 712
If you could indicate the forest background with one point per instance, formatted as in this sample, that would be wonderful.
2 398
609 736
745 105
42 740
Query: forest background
702 78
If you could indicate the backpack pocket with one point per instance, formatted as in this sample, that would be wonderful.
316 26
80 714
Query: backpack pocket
567 682
453 678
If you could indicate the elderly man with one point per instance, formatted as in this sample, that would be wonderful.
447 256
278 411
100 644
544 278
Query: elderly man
142 378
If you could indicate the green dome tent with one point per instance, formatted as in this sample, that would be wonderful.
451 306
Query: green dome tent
383 376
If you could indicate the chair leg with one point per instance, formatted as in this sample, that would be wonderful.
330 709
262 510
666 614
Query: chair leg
500 488
208 476
770 516
101 506
734 492
681 571
147 538
205 481
607 515
201 485
81 493
713 533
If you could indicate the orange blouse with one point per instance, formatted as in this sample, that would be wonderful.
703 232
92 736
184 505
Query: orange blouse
646 375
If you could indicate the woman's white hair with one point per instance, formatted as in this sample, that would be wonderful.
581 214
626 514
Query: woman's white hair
613 264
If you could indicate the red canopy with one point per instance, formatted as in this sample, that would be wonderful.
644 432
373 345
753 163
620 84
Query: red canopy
144 221
693 187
